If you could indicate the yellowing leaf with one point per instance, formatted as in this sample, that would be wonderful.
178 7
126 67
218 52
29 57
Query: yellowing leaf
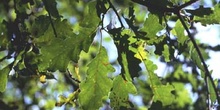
142 54
43 78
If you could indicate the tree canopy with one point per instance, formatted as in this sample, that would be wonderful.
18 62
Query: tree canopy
100 54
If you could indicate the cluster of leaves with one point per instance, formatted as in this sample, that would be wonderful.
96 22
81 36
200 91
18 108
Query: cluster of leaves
40 40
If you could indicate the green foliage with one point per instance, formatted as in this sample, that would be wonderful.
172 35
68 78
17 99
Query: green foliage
151 26
54 49
3 78
63 52
97 85
179 32
119 95
50 6
207 15
40 25
68 45
182 95
161 92
166 53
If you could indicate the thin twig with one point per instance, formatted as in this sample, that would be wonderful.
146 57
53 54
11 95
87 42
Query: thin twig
51 22
176 10
207 73
186 4
50 18
154 6
111 5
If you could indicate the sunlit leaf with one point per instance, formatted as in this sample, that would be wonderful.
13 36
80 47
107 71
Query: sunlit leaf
179 32
151 26
70 99
97 85
196 59
182 95
5 63
141 54
166 53
130 64
161 92
42 78
119 94
3 79
211 92
3 54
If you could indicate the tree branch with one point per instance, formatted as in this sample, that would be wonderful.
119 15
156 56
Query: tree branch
207 73
152 6
176 10
186 4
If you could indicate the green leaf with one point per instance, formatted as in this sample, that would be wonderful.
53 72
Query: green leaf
57 52
3 79
63 30
141 53
40 25
195 57
152 26
3 54
211 16
182 95
5 63
166 53
89 12
4 42
179 32
51 7
161 92
97 84
119 95
125 66
211 91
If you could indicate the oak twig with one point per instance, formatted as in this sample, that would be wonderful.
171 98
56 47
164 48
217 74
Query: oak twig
207 73
111 6
176 10
50 18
